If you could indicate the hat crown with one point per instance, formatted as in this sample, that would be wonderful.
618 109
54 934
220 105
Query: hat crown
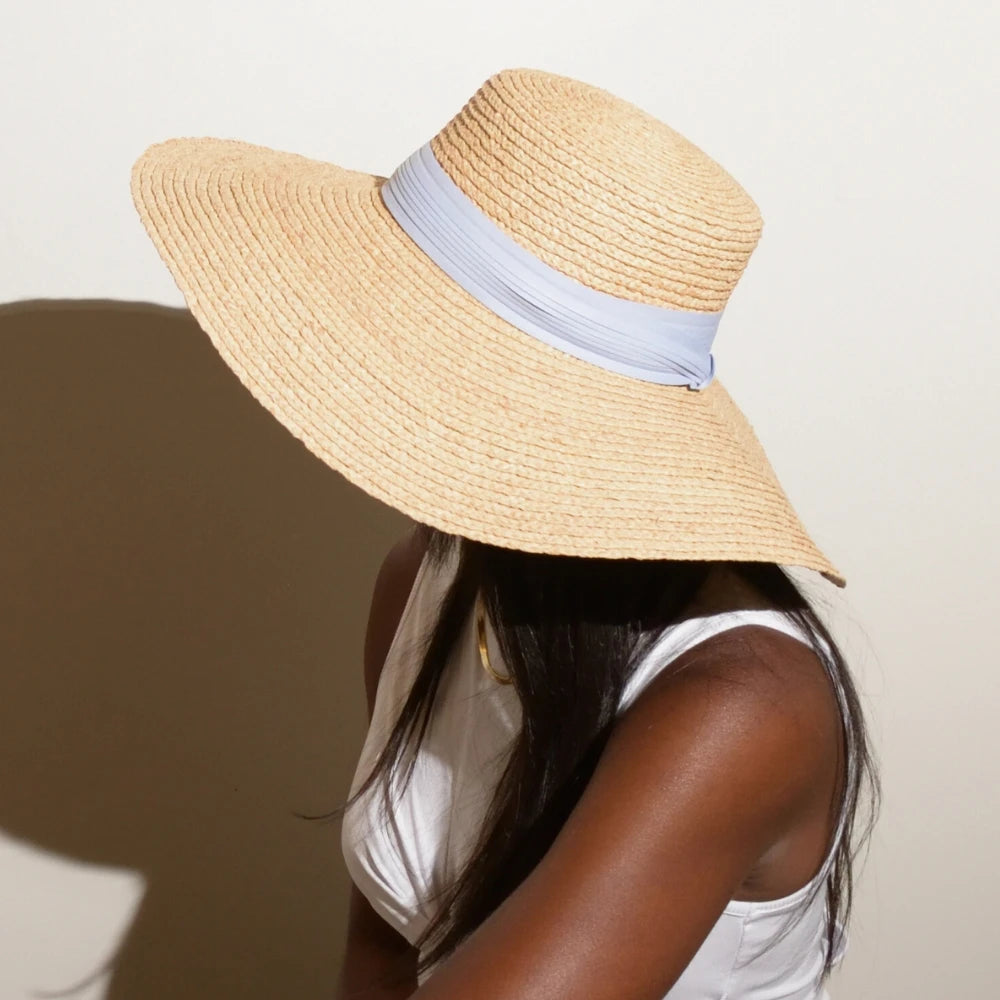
601 190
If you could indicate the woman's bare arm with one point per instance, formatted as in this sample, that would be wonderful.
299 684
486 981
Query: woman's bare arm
702 774
374 947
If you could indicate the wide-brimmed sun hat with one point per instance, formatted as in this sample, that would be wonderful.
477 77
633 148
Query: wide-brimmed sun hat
510 337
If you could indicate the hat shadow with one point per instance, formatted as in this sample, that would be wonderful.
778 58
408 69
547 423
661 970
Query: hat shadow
184 598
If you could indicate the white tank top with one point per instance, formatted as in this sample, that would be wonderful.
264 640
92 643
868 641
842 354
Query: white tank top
400 863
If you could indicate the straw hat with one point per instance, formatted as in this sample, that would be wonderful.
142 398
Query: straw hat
507 339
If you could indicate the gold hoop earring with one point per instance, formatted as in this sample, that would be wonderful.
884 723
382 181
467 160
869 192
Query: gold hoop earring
483 653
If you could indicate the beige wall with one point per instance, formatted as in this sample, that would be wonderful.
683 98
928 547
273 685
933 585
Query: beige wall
185 591
183 586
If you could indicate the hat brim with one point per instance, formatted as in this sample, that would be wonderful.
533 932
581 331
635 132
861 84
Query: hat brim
396 377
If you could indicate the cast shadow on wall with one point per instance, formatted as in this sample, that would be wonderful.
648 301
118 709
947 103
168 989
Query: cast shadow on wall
185 592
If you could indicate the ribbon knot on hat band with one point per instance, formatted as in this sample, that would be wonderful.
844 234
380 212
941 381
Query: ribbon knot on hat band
654 343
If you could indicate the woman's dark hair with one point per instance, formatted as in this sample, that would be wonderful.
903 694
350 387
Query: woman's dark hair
571 630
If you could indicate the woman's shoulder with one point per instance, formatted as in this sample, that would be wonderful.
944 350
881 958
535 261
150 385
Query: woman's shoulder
744 636
393 582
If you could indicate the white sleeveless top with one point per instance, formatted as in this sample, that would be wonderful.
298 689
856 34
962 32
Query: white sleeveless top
399 863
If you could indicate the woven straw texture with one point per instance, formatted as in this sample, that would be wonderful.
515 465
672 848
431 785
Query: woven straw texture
396 377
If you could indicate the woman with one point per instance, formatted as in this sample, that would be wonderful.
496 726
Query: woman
612 750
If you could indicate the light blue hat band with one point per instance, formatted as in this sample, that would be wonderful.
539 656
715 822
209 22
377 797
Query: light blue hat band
654 343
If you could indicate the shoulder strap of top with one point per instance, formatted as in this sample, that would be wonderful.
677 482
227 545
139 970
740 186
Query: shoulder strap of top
396 675
684 635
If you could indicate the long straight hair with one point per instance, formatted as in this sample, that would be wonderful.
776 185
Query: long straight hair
571 631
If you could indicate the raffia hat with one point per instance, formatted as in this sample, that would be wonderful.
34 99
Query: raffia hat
509 337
